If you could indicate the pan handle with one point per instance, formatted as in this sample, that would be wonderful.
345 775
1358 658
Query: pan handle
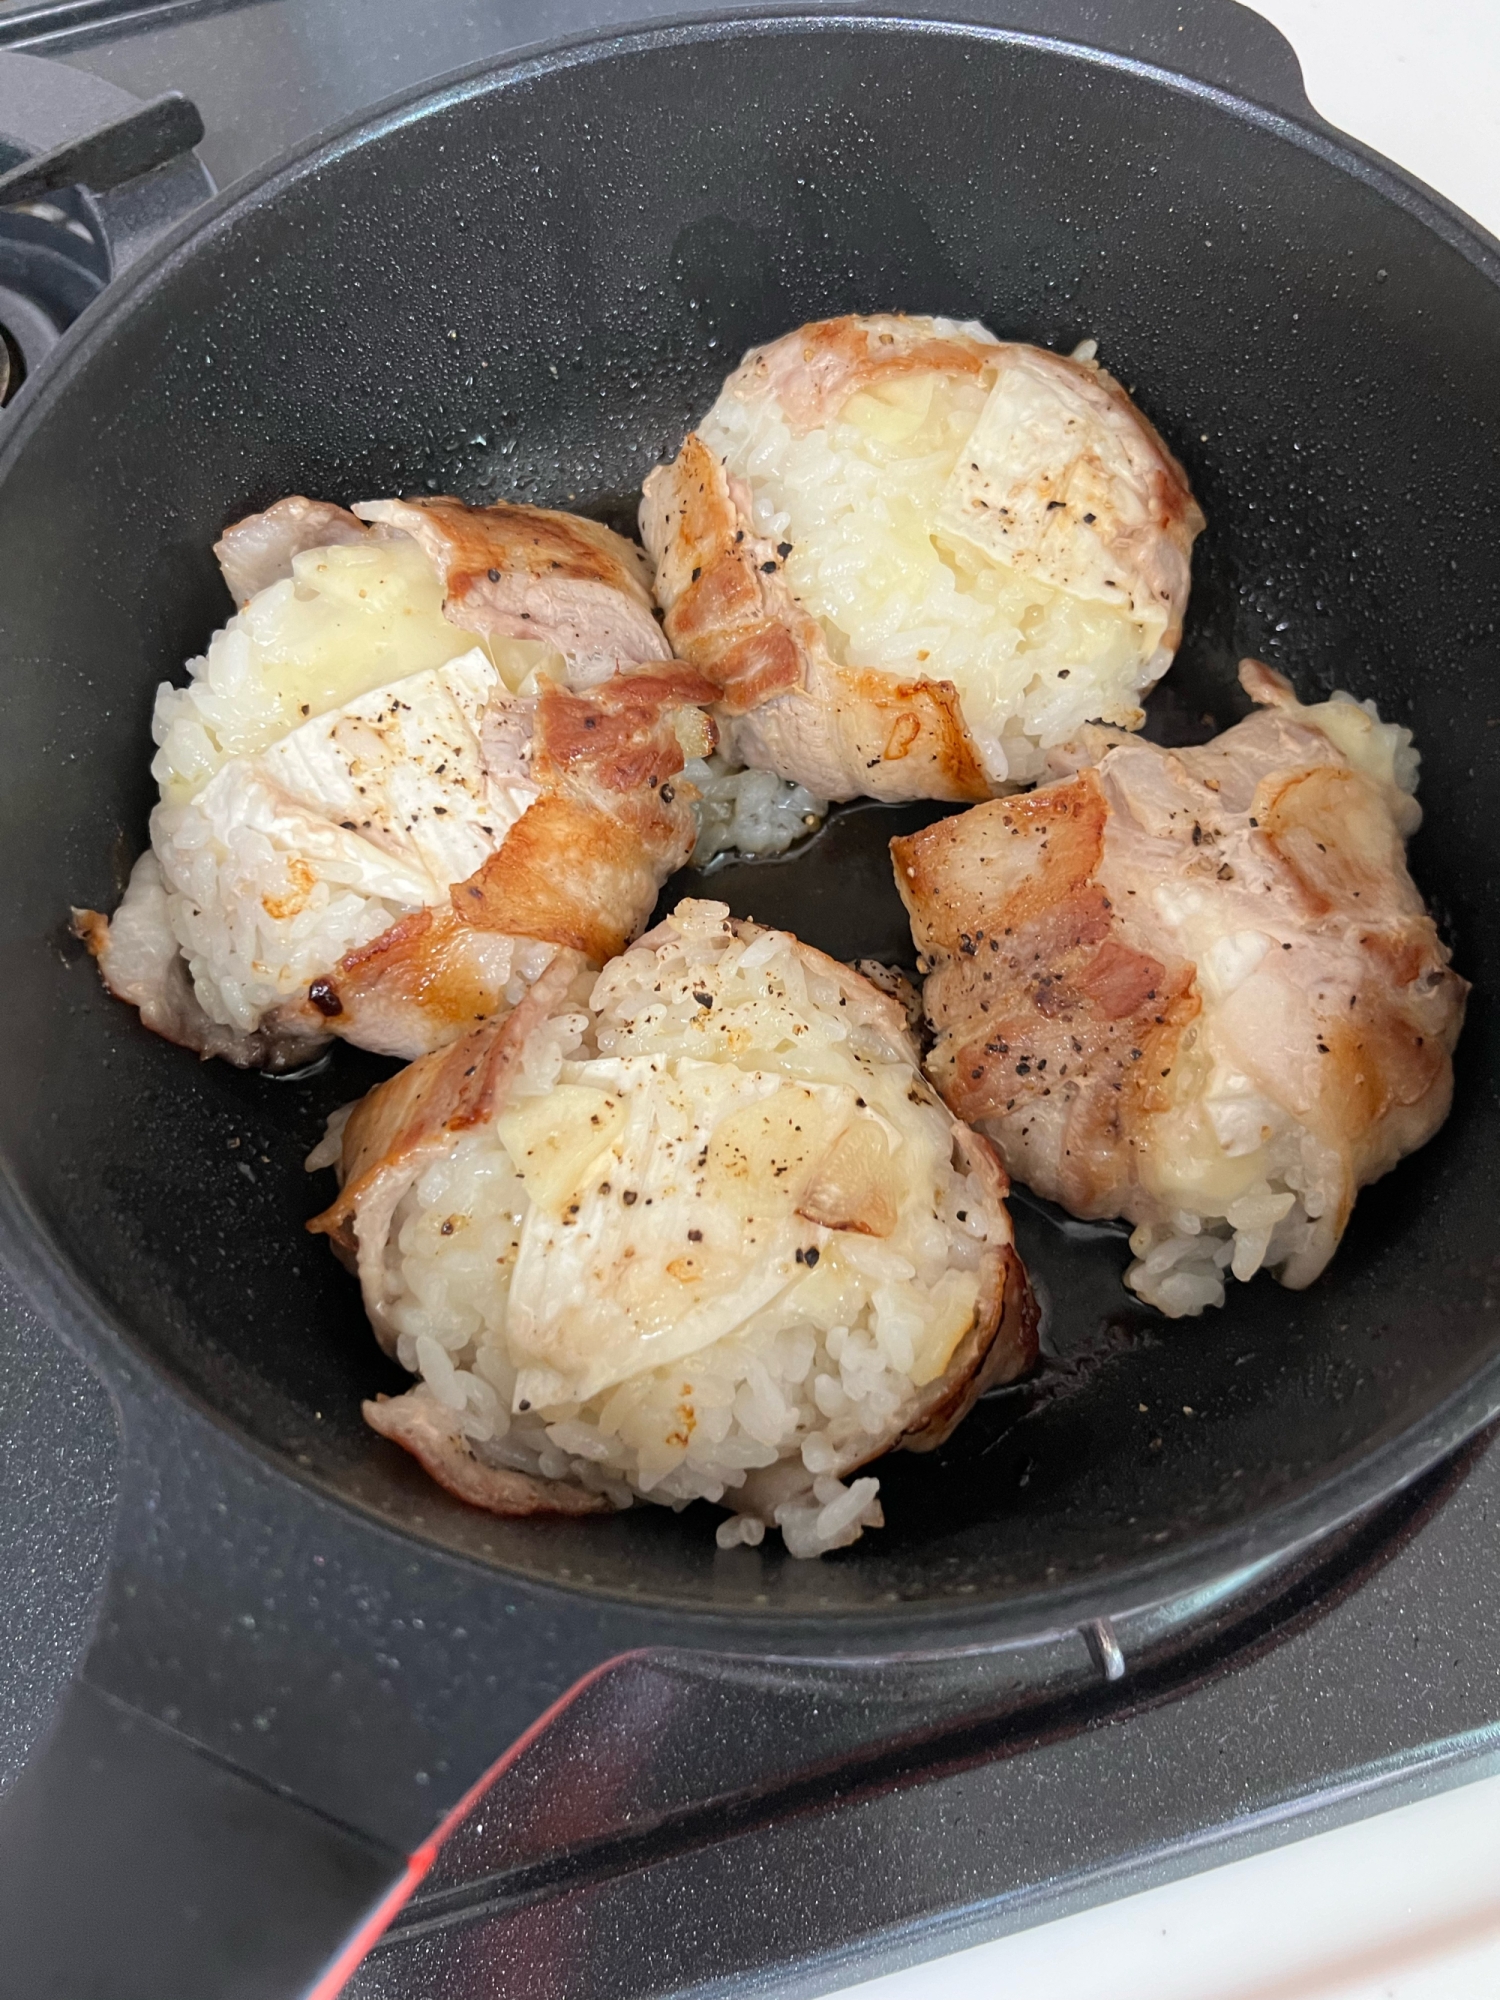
1217 42
279 1712
134 1862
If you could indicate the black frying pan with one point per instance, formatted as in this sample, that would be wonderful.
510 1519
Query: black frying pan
527 285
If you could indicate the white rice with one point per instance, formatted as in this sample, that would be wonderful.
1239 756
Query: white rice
748 812
347 620
257 897
858 500
1245 1184
1180 1266
817 1376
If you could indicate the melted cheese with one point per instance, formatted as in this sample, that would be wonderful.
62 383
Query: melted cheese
561 1143
711 1190
288 859
349 619
1041 480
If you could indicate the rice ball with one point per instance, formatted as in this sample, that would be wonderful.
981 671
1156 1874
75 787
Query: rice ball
435 744
693 1228
914 557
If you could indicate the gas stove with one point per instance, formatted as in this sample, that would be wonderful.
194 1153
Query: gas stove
674 1822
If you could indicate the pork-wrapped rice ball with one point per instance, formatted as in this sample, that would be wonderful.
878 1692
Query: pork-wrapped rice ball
435 744
1195 988
915 557
694 1227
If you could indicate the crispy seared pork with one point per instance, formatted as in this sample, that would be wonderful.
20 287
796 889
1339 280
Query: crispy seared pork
424 755
1195 988
914 557
692 1228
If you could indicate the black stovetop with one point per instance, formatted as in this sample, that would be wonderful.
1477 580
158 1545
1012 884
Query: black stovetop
896 1810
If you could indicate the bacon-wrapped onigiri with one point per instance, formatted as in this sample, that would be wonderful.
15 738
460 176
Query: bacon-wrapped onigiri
914 557
422 756
1196 988
694 1227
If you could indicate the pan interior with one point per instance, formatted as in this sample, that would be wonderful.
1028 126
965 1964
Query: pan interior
528 289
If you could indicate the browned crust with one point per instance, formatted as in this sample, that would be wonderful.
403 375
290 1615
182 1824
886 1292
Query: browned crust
914 724
570 872
619 735
91 928
730 614
814 371
583 865
420 1425
403 953
720 615
534 542
1066 822
424 968
401 1120
1035 990
581 869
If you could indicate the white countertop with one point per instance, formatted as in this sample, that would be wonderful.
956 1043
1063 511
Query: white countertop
1404 1905
1419 80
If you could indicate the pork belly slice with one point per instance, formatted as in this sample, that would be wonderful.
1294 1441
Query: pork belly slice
913 557
1197 988
425 754
694 1227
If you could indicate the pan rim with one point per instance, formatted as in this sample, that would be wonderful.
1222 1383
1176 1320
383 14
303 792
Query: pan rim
908 1628
41 1261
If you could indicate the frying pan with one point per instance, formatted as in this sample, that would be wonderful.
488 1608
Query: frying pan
527 283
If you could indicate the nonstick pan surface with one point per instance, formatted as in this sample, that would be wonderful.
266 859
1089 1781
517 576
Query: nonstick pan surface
527 285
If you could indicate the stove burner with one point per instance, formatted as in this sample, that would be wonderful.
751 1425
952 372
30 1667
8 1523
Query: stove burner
61 243
12 366
51 266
